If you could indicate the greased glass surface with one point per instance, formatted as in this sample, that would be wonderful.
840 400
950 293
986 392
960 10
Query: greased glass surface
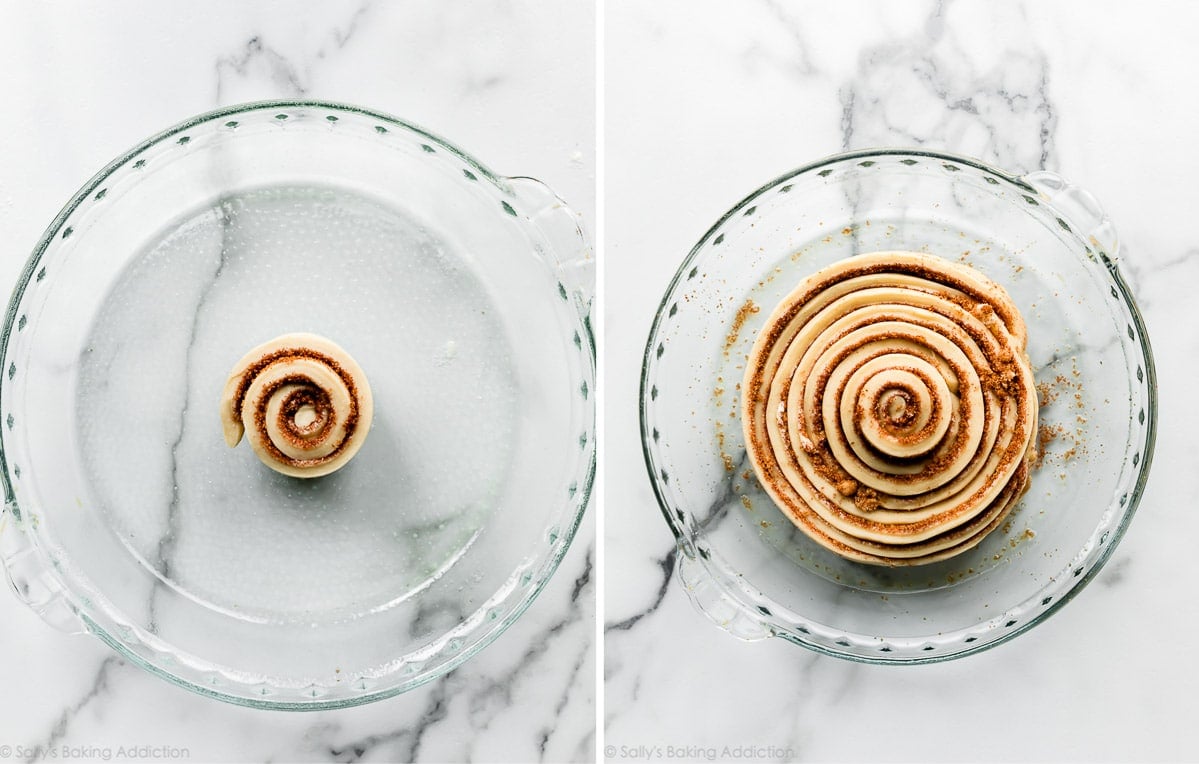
1048 244
465 296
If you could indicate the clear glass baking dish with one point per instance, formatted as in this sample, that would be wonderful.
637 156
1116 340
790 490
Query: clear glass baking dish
1050 245
466 297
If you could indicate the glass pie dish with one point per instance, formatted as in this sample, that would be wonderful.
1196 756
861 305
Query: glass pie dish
464 295
1048 243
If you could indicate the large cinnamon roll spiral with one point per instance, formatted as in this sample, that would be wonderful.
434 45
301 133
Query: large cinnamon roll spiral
889 407
304 402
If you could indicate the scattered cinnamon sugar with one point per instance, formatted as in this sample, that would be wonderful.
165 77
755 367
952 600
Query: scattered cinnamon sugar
1046 434
1047 392
743 314
746 502
729 464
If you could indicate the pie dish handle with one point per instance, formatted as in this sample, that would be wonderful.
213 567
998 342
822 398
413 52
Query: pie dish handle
31 578
1079 208
570 253
714 601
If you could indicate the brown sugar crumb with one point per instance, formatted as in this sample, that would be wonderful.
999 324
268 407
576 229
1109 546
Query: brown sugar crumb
1021 538
746 502
743 314
728 463
847 487
1050 391
1047 392
866 499
1046 434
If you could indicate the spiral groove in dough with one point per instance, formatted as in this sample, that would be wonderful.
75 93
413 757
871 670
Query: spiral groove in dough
889 407
303 401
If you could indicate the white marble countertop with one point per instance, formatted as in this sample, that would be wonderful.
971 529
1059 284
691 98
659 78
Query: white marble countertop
706 101
512 83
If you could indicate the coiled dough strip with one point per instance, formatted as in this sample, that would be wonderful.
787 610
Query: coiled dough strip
304 402
889 407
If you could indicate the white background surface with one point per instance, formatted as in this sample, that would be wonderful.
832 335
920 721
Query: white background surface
512 83
707 100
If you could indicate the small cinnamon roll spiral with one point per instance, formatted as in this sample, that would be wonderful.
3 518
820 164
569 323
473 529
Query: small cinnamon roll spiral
304 402
889 407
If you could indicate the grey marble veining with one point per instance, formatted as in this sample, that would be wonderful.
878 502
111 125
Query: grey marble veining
1095 92
511 83
927 88
169 537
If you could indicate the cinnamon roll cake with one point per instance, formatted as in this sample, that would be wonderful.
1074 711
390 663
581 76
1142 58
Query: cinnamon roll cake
889 407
